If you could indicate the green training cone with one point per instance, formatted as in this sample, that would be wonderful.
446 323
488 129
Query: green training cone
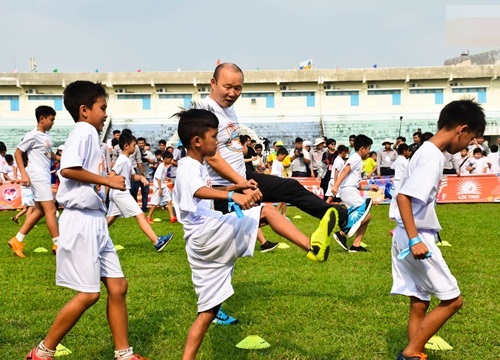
437 343
253 342
62 350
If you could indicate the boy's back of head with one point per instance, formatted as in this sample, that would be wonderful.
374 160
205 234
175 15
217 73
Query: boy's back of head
125 139
9 159
342 149
44 111
402 148
362 141
80 93
195 122
494 148
282 151
463 112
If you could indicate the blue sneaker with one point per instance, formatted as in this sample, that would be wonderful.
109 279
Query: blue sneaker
224 319
163 241
355 216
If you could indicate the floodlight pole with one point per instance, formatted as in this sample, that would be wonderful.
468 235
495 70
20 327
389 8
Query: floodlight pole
400 124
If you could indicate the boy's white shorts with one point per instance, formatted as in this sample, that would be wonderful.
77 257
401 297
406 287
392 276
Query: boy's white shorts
421 278
121 203
27 196
85 252
213 250
42 191
351 197
162 200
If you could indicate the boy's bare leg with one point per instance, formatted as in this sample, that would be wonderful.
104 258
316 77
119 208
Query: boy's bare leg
49 208
110 220
418 310
260 237
197 333
67 317
361 231
170 210
146 228
151 211
431 323
284 227
116 310
21 213
33 219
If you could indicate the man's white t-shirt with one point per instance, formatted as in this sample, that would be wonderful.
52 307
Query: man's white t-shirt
191 211
82 149
123 167
298 163
354 176
494 160
421 181
229 146
277 169
38 146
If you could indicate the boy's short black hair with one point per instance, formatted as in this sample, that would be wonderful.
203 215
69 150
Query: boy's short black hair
116 132
244 138
258 146
477 150
402 138
114 142
195 122
169 147
44 111
127 131
330 141
82 92
141 139
342 148
494 148
158 152
426 136
402 148
125 138
162 142
9 158
167 155
352 137
281 151
362 141
299 140
417 133
463 112
3 148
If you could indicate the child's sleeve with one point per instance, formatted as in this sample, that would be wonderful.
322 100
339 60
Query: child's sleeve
27 142
75 152
187 183
422 180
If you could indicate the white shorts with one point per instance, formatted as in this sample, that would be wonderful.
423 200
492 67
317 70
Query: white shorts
121 203
351 197
42 191
421 278
27 196
212 253
162 200
85 252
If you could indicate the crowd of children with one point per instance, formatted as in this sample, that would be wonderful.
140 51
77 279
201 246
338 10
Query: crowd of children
85 254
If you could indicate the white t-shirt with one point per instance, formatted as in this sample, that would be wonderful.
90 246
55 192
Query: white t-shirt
277 169
82 149
420 181
229 145
494 160
177 156
478 165
354 176
399 167
192 211
123 167
461 164
298 163
160 174
9 171
2 161
38 146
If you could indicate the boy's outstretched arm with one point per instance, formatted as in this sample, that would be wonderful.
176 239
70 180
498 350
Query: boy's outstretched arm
80 174
419 250
243 200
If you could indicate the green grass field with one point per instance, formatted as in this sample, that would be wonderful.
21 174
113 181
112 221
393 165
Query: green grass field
337 310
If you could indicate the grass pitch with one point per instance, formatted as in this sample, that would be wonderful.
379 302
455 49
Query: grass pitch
338 310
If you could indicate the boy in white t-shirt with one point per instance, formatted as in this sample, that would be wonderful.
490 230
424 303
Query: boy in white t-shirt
121 203
215 241
461 158
399 165
86 254
418 267
338 164
9 171
26 197
279 171
347 186
161 192
494 160
38 145
477 163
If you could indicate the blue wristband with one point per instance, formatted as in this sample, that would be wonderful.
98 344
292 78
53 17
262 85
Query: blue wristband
411 242
232 205
414 241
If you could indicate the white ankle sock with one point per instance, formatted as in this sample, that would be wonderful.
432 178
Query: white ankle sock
20 237
42 351
55 239
124 354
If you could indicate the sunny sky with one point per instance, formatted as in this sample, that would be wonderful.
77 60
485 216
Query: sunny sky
125 35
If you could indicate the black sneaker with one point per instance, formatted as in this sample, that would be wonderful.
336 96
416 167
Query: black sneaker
341 240
357 249
268 246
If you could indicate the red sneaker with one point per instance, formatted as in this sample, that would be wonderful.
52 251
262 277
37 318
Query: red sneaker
33 356
173 220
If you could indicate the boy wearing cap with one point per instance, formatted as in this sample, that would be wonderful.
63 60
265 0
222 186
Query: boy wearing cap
385 159
317 156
